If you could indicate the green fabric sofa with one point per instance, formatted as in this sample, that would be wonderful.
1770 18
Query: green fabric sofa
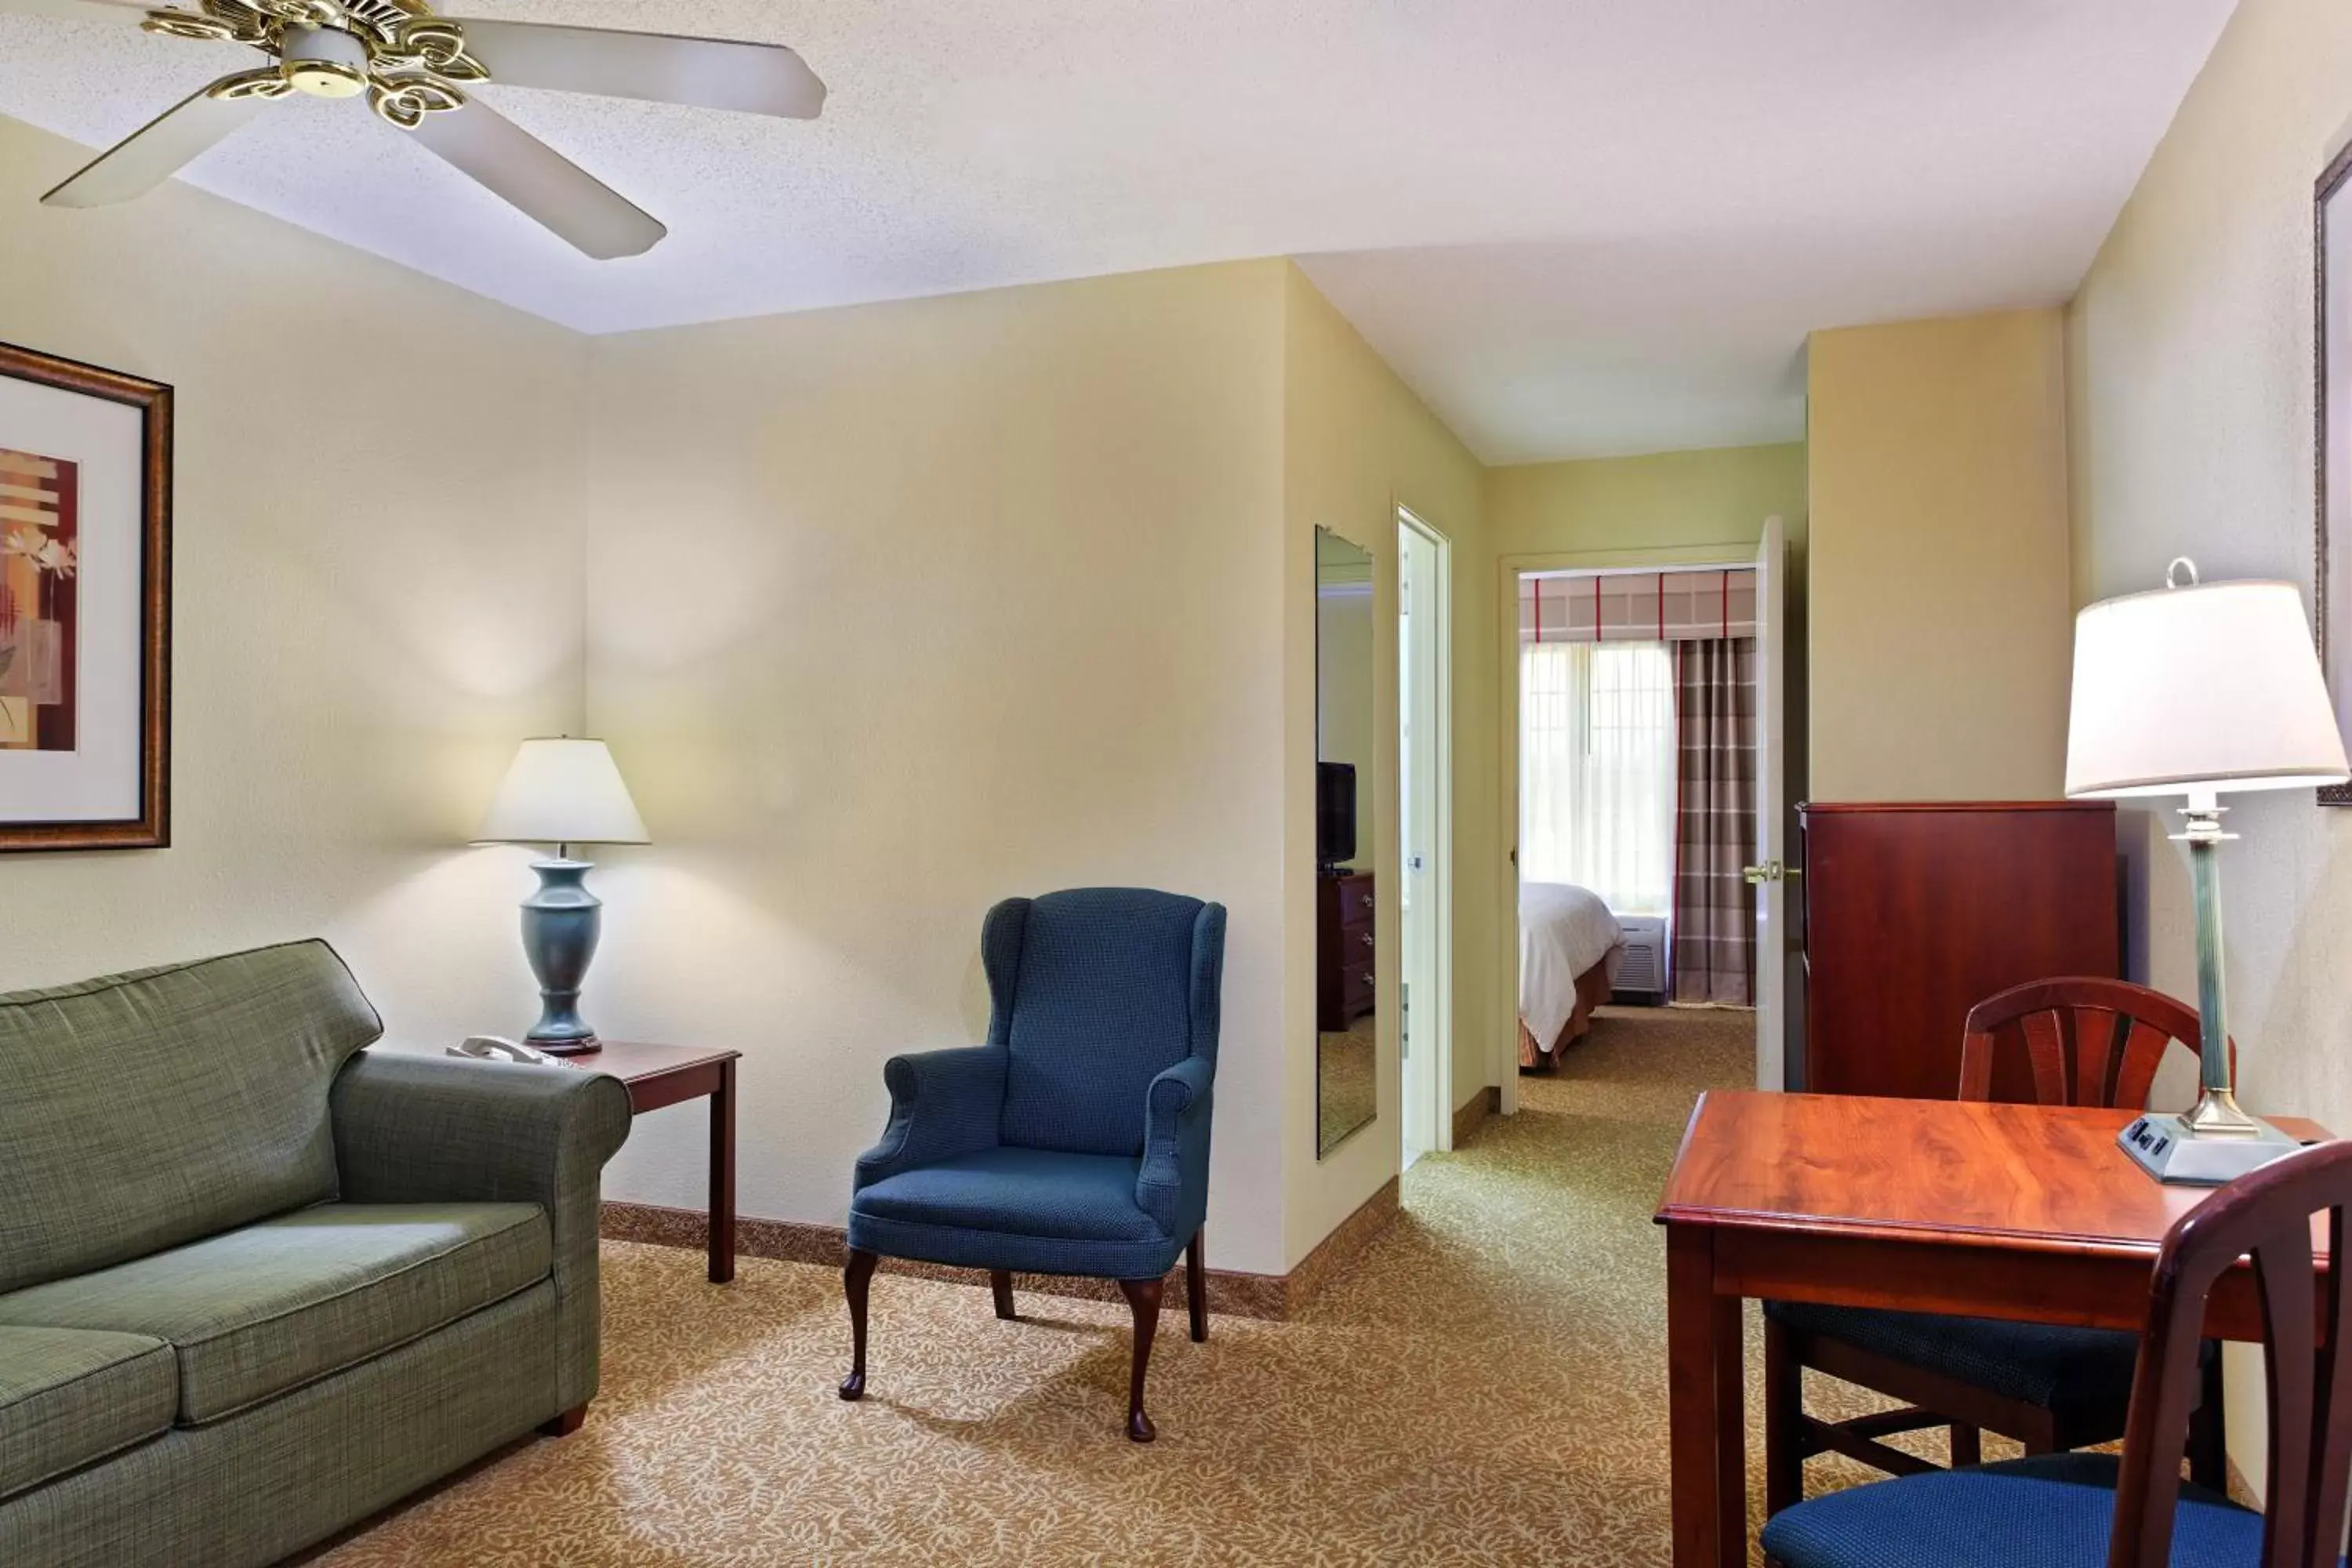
256 1283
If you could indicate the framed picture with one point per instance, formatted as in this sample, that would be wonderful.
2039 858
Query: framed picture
2331 589
85 606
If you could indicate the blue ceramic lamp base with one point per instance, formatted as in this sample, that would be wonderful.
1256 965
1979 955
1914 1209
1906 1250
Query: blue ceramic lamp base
560 926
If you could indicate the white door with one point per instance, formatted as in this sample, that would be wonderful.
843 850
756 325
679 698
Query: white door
1425 821
1768 874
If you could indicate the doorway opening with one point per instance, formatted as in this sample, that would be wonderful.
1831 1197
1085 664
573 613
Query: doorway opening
1425 834
1644 725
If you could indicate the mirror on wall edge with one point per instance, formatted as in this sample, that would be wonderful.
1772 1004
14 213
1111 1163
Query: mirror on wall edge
1346 1036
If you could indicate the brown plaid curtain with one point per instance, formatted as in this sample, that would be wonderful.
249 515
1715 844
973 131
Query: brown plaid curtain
1714 820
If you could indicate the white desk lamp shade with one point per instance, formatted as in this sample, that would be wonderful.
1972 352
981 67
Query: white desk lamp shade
562 792
2200 690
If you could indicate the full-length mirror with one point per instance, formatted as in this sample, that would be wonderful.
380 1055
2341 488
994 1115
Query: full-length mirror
1346 1069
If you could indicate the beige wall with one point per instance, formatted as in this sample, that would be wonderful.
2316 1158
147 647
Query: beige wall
888 613
1357 445
900 610
1712 496
1938 620
897 610
2191 351
377 581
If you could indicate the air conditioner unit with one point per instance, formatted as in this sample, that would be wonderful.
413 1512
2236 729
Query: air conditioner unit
1641 972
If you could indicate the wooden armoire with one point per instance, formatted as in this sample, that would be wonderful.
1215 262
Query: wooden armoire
1916 912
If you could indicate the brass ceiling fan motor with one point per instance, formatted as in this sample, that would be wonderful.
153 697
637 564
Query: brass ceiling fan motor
408 61
326 62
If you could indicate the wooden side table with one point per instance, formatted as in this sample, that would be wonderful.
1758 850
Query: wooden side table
665 1075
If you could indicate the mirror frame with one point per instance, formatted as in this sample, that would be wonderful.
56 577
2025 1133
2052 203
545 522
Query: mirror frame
1373 1114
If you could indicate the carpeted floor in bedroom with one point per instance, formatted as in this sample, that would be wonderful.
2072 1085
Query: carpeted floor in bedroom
1487 1386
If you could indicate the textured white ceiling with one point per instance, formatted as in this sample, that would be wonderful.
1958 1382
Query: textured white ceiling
1577 227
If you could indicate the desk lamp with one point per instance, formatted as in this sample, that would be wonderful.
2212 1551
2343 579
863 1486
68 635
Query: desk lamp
2200 691
562 792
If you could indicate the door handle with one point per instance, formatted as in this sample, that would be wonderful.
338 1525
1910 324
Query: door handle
1770 871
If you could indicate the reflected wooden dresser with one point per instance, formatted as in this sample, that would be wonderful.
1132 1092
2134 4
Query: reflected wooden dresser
1344 950
1916 912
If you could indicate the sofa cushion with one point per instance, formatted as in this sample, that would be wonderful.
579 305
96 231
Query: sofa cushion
149 1108
69 1396
1023 1192
255 1313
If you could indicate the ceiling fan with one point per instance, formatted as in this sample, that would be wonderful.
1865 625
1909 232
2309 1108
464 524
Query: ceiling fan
416 70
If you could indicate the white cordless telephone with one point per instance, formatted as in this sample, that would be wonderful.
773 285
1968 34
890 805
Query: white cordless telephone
499 1048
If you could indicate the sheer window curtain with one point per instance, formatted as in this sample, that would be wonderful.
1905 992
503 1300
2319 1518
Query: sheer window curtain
1597 778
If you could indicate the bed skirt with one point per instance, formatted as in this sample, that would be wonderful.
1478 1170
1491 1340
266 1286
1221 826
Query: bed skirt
1591 990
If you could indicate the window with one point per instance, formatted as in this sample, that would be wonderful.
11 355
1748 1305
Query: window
1597 769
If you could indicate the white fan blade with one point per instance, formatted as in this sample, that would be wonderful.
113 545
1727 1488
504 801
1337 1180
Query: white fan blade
547 186
157 150
79 10
709 73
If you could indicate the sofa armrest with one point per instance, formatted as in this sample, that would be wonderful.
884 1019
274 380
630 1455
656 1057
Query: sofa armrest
1172 1184
415 1128
942 1104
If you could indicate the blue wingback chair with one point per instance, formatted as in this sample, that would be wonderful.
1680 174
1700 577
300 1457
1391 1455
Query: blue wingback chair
1076 1139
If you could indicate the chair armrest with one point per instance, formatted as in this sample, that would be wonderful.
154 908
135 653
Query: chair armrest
415 1128
942 1104
1172 1186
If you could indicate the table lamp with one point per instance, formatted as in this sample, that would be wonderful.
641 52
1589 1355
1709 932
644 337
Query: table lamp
562 792
2199 692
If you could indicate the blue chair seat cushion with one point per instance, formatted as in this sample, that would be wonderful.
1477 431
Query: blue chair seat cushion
2052 1510
2082 1373
1019 1192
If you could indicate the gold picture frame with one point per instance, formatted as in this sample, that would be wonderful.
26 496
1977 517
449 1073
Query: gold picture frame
85 630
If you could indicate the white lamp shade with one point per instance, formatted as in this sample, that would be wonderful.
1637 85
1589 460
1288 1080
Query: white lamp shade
2200 690
562 792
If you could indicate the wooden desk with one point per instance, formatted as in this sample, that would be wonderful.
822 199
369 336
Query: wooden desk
659 1075
1995 1210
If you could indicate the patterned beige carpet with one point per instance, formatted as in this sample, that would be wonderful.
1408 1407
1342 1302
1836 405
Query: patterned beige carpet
1485 1387
1346 1084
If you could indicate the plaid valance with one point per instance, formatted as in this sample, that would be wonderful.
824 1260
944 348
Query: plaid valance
1647 607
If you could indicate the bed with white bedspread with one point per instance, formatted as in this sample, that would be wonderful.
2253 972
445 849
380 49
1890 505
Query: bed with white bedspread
1568 947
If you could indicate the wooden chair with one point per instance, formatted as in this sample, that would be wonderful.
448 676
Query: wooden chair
2086 1510
2089 1042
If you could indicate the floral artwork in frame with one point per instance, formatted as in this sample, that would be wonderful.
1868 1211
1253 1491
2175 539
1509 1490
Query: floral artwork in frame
85 606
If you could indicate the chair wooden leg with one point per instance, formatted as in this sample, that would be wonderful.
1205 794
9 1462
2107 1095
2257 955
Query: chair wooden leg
1784 1420
855 1275
566 1425
2043 1437
1967 1444
1143 1301
1000 1280
2209 1434
1196 1289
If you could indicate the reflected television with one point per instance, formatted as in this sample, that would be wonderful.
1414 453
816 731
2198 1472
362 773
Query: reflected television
1335 814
